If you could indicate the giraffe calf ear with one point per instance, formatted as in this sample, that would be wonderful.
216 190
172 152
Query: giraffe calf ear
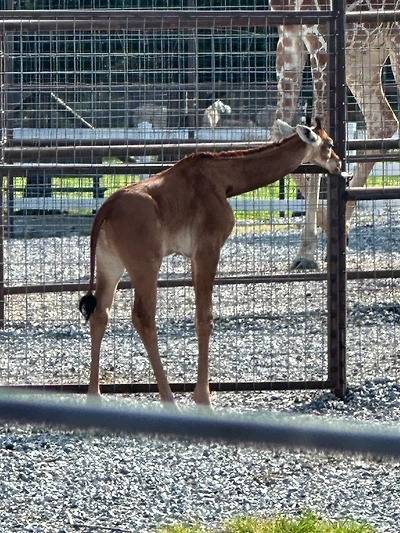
318 123
284 128
306 134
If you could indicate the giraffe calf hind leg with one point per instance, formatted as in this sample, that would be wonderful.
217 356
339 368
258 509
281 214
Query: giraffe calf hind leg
109 271
144 281
98 324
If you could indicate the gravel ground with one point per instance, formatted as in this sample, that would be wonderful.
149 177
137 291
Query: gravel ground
262 332
67 481
54 481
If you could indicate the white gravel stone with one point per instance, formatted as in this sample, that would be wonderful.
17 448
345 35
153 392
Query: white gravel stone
64 481
137 484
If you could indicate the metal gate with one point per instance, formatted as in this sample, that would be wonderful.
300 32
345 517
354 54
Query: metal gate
68 141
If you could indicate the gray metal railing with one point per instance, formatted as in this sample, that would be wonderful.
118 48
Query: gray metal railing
300 432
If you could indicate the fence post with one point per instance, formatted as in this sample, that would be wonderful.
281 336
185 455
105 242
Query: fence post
337 79
337 284
337 205
3 140
2 295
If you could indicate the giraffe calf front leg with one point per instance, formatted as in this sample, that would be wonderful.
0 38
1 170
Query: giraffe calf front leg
201 394
204 266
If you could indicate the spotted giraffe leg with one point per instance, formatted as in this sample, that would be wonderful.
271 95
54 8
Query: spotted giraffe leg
290 60
310 186
364 71
394 52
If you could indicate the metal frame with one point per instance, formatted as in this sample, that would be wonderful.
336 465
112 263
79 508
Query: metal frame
17 153
111 20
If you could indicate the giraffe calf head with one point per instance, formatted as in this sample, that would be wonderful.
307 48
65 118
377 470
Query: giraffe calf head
320 144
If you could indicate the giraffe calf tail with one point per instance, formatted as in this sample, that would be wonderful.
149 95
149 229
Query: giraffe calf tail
87 305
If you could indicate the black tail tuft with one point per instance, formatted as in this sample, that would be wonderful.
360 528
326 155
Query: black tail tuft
87 304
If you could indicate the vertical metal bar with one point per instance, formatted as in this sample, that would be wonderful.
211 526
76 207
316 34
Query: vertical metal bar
2 295
337 76
337 284
3 140
3 137
337 206
97 192
9 97
10 206
3 126
282 195
193 78
4 72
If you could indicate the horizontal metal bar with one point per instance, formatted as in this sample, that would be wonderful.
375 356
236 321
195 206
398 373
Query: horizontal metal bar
134 388
375 158
19 169
74 152
57 20
66 203
140 14
78 151
111 20
15 154
187 282
130 89
57 199
374 17
21 153
372 193
172 142
266 431
156 14
373 144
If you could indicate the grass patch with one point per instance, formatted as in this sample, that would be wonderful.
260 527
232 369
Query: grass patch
383 181
307 523
111 182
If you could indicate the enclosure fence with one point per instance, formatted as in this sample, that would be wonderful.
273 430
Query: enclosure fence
35 149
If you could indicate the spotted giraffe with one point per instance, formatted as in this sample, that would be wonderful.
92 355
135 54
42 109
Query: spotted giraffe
368 46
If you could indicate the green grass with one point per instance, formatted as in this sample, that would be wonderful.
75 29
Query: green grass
383 181
307 523
113 182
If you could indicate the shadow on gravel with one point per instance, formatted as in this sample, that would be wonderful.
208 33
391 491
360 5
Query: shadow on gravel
365 315
372 397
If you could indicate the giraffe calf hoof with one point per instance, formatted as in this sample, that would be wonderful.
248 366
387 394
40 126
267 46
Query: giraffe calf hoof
93 398
171 406
302 263
202 399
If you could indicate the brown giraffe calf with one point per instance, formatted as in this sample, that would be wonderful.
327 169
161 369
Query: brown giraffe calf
182 210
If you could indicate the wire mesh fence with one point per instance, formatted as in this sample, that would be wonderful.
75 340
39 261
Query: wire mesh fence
373 318
82 103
